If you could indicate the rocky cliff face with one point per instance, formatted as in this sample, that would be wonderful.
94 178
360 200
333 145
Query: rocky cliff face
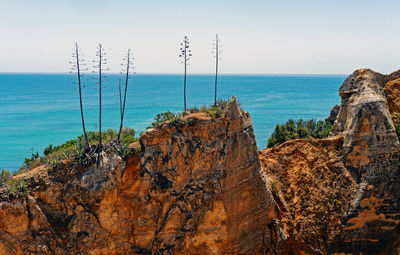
370 152
312 188
364 118
199 186
344 198
392 92
194 188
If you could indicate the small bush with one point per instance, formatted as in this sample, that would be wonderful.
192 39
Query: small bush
299 129
75 147
215 111
398 130
32 161
4 176
176 118
18 187
164 117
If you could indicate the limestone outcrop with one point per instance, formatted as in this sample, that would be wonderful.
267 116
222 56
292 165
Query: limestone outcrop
195 187
312 188
199 186
364 118
392 92
333 114
342 194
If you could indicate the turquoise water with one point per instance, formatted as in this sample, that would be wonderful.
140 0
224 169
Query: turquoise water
41 109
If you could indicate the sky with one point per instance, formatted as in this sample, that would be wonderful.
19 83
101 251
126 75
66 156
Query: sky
257 36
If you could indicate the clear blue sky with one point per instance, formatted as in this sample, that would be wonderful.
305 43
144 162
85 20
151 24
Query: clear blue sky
258 36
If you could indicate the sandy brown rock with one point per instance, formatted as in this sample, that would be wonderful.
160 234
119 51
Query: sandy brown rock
194 188
313 190
197 186
364 118
343 199
371 152
392 91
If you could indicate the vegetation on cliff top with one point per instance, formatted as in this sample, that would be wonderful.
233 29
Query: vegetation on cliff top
4 176
213 111
299 129
13 186
75 147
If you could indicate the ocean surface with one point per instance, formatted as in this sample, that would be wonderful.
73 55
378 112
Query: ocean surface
41 109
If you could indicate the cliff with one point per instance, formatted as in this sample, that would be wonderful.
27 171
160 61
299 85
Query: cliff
341 194
195 187
312 188
199 186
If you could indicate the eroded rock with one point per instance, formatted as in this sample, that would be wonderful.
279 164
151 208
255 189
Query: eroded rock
196 188
313 189
333 114
344 199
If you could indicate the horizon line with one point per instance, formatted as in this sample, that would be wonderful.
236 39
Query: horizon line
159 73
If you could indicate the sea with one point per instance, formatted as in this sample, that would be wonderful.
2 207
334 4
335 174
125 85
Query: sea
41 109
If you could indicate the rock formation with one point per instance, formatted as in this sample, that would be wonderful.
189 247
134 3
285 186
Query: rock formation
199 186
312 189
343 197
371 153
333 114
364 118
195 187
392 92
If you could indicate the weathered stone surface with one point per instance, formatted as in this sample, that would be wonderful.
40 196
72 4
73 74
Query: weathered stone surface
313 190
344 199
196 188
333 114
392 91
364 118
371 153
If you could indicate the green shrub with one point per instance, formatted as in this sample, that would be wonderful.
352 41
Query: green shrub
299 129
4 176
176 118
16 186
164 117
32 161
75 147
398 130
215 111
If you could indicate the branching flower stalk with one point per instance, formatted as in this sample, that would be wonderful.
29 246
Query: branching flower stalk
128 68
186 53
216 52
77 66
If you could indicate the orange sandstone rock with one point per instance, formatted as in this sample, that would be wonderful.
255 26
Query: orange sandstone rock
312 188
193 189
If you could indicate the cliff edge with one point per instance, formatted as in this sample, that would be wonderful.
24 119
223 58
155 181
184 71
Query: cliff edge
199 186
195 187
341 195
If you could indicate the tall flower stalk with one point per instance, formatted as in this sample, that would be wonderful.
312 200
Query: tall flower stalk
217 52
78 67
100 63
127 71
186 54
